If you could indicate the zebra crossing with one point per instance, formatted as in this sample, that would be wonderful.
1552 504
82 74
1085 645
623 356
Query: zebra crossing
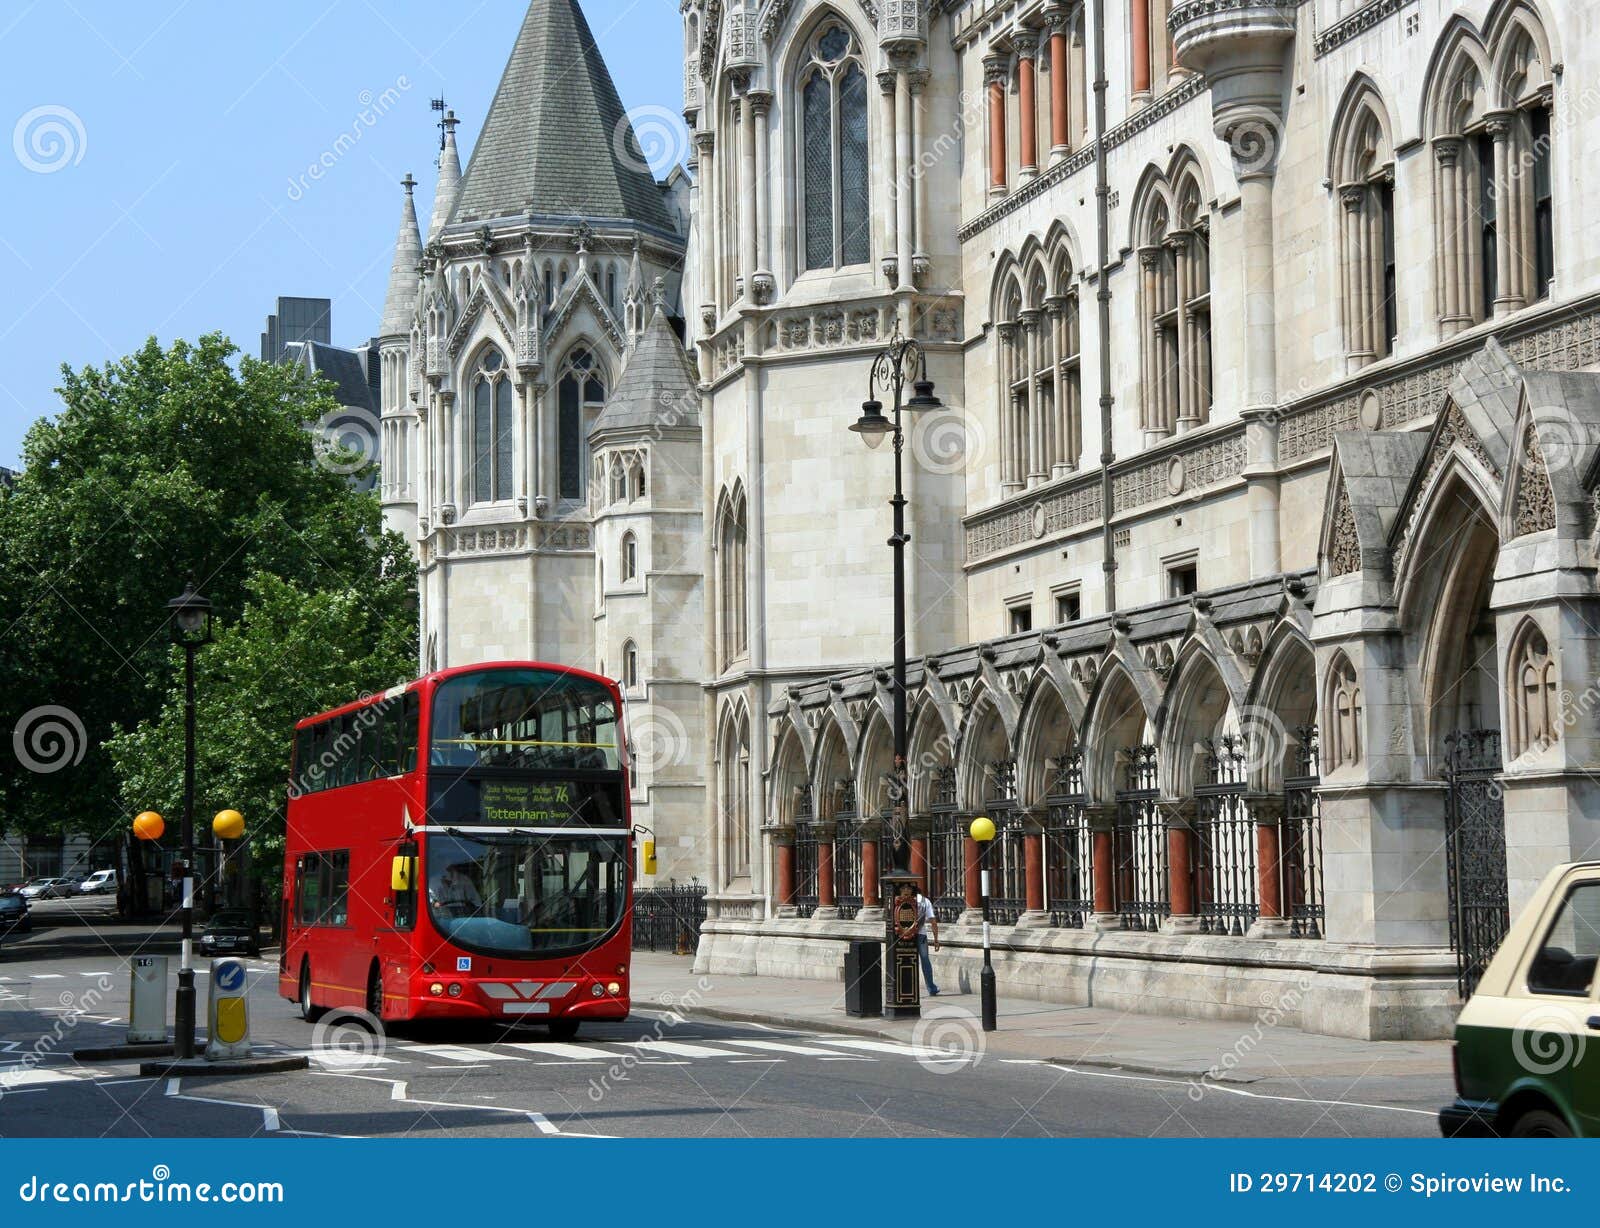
360 1051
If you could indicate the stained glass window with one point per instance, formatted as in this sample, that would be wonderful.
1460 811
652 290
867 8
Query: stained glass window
580 385
854 213
819 173
502 439
482 433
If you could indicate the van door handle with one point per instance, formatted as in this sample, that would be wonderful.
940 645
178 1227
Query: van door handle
1594 1022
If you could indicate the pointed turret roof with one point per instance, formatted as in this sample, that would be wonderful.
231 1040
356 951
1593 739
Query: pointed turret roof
657 388
449 187
556 141
400 303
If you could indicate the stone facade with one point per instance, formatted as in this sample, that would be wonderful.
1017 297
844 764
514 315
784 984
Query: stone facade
1238 544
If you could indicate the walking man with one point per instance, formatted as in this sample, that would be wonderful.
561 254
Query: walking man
927 920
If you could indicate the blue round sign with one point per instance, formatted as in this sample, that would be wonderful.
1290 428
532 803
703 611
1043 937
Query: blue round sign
230 976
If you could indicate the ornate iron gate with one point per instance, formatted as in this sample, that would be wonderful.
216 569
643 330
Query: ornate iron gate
669 918
1475 818
946 849
1007 853
1300 841
805 857
1140 845
1225 898
849 889
1068 847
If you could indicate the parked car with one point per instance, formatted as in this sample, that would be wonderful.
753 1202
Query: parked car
99 883
1527 1043
49 888
14 914
231 931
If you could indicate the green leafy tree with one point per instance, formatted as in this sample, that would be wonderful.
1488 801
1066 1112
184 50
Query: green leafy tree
167 463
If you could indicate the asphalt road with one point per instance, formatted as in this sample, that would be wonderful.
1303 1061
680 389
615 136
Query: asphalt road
66 987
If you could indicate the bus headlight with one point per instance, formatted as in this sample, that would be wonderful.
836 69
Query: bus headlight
597 990
436 989
614 987
455 990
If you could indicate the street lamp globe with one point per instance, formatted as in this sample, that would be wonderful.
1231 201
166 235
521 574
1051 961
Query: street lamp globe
982 829
191 616
872 426
923 397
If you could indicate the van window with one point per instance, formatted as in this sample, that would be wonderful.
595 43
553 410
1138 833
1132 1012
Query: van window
1566 962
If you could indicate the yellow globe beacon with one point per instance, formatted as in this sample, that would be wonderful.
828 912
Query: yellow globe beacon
149 826
982 829
229 824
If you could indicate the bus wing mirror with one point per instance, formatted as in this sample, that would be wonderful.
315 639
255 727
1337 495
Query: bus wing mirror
648 857
403 873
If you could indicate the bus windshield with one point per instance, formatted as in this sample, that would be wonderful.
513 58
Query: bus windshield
521 894
524 718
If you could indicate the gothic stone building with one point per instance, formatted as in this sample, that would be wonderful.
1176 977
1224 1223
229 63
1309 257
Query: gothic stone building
1252 565
540 427
1252 556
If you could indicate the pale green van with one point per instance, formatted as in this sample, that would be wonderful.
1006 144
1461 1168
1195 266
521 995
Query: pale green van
1527 1044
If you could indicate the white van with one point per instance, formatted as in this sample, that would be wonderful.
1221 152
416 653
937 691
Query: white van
98 882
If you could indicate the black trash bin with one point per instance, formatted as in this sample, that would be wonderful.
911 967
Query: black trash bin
863 979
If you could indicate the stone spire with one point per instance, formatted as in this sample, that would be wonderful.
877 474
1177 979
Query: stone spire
556 141
656 391
444 196
634 306
400 303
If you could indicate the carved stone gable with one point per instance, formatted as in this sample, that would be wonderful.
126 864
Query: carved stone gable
1344 545
1536 502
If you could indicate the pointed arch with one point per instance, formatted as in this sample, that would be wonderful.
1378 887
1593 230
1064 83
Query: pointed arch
731 545
830 765
1172 235
1522 51
1280 712
931 752
1533 692
1361 168
985 762
1046 735
1115 721
1197 709
874 764
788 778
734 789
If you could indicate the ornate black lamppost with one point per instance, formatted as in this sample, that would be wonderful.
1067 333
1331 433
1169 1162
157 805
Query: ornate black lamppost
191 628
902 361
892 369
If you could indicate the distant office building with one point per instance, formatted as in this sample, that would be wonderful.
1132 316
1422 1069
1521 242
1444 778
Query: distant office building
296 320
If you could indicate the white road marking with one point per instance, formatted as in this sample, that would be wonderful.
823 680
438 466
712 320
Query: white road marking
49 976
576 1053
399 1090
458 1053
676 1049
780 1046
899 1050
269 1115
1239 1091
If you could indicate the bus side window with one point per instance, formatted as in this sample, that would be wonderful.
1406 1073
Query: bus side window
408 725
405 902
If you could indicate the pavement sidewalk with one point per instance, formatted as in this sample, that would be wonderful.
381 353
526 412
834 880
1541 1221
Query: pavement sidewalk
1232 1051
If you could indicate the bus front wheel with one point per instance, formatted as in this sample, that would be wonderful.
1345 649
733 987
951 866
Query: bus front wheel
309 1011
563 1029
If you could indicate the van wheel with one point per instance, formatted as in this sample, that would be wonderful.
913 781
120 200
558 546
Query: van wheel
309 1011
1541 1123
375 993
563 1029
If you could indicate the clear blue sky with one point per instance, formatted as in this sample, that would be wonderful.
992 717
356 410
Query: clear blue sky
148 188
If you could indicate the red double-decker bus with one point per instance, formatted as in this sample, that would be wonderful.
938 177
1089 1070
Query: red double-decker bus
461 847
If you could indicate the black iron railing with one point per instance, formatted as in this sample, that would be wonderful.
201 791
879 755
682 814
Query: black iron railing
947 867
1139 844
1068 847
1225 891
848 886
1480 910
1300 841
669 918
805 868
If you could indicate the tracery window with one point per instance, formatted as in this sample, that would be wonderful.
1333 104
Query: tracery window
1175 307
1535 699
1367 234
492 429
835 214
580 393
1344 715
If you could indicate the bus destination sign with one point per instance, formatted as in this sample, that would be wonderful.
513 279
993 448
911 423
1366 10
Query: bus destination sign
529 803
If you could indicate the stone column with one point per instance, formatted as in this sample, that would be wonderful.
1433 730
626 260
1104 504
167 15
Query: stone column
1010 471
1150 361
747 190
710 228
869 870
1261 348
1078 110
1267 811
1035 466
891 232
1101 819
902 177
1026 43
1352 228
1060 106
1507 188
996 68
1188 392
761 104
971 880
1056 305
1453 314
1141 52
1180 868
919 851
783 855
921 265
1033 876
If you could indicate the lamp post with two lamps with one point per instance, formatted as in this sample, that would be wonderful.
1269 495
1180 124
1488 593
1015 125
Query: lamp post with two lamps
901 362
